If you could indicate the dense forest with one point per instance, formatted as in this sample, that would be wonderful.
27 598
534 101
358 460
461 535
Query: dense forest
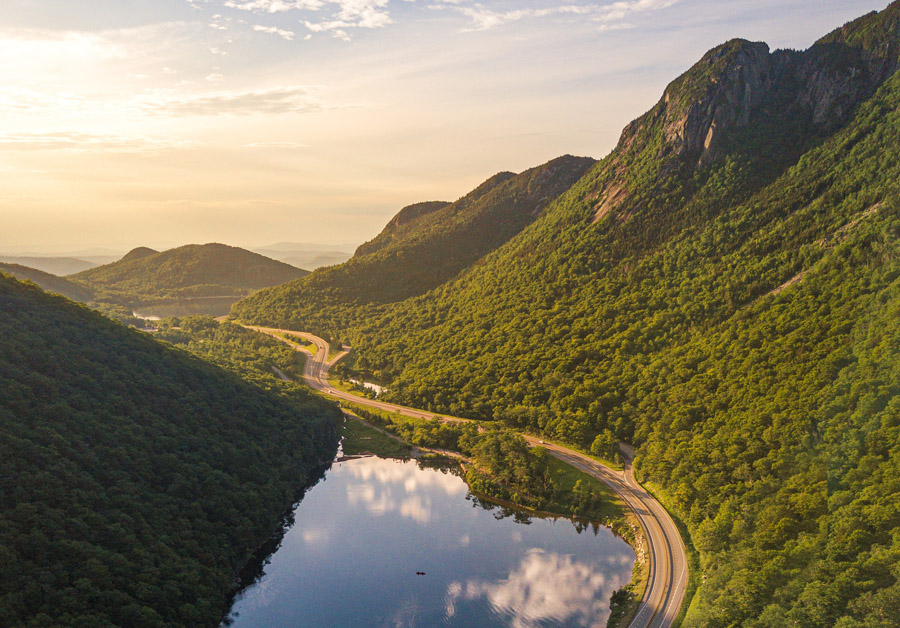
136 480
145 276
723 291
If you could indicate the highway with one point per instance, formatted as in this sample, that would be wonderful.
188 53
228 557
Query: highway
668 570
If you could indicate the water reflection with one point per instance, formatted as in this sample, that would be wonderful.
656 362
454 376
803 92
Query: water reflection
546 588
382 486
360 536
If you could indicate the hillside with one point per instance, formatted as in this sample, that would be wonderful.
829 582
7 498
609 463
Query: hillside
723 291
138 253
145 276
54 265
407 221
136 481
50 283
424 246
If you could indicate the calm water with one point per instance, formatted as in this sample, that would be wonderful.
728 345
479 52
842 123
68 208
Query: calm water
361 534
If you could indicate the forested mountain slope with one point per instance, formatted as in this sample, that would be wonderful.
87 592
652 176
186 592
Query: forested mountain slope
408 221
207 270
424 246
136 481
723 290
51 283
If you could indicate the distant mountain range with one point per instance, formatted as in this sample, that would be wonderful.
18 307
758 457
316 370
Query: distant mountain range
722 290
309 256
193 279
144 276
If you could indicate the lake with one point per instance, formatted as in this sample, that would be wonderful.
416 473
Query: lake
361 534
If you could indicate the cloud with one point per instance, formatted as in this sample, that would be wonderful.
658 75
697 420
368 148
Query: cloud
25 100
82 142
277 100
337 16
605 15
546 587
284 34
274 6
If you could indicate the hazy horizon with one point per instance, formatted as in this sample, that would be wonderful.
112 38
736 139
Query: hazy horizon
251 121
90 251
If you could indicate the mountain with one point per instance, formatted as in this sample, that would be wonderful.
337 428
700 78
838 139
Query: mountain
407 220
137 481
54 265
48 282
424 246
189 272
722 290
138 253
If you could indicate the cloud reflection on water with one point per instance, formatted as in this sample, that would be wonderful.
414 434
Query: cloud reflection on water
545 587
384 486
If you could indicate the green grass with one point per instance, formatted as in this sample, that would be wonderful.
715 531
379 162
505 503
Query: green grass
303 342
360 438
566 476
607 463
346 386
342 384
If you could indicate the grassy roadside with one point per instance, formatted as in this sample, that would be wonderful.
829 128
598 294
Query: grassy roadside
361 438
568 478
300 340
349 387
608 463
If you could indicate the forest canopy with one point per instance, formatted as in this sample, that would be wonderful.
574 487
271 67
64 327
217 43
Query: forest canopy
136 480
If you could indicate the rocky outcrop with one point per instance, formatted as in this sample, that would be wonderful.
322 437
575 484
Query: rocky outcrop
743 90
740 82
720 93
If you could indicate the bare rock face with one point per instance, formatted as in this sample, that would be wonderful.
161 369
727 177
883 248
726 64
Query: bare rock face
740 90
720 93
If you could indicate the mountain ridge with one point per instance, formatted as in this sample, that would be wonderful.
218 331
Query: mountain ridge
49 282
435 245
724 300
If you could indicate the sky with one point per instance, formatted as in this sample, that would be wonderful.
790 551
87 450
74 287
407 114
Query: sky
249 122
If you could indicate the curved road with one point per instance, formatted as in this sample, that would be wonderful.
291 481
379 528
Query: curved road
668 575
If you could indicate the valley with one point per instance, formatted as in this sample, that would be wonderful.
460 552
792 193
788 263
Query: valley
656 389
668 562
